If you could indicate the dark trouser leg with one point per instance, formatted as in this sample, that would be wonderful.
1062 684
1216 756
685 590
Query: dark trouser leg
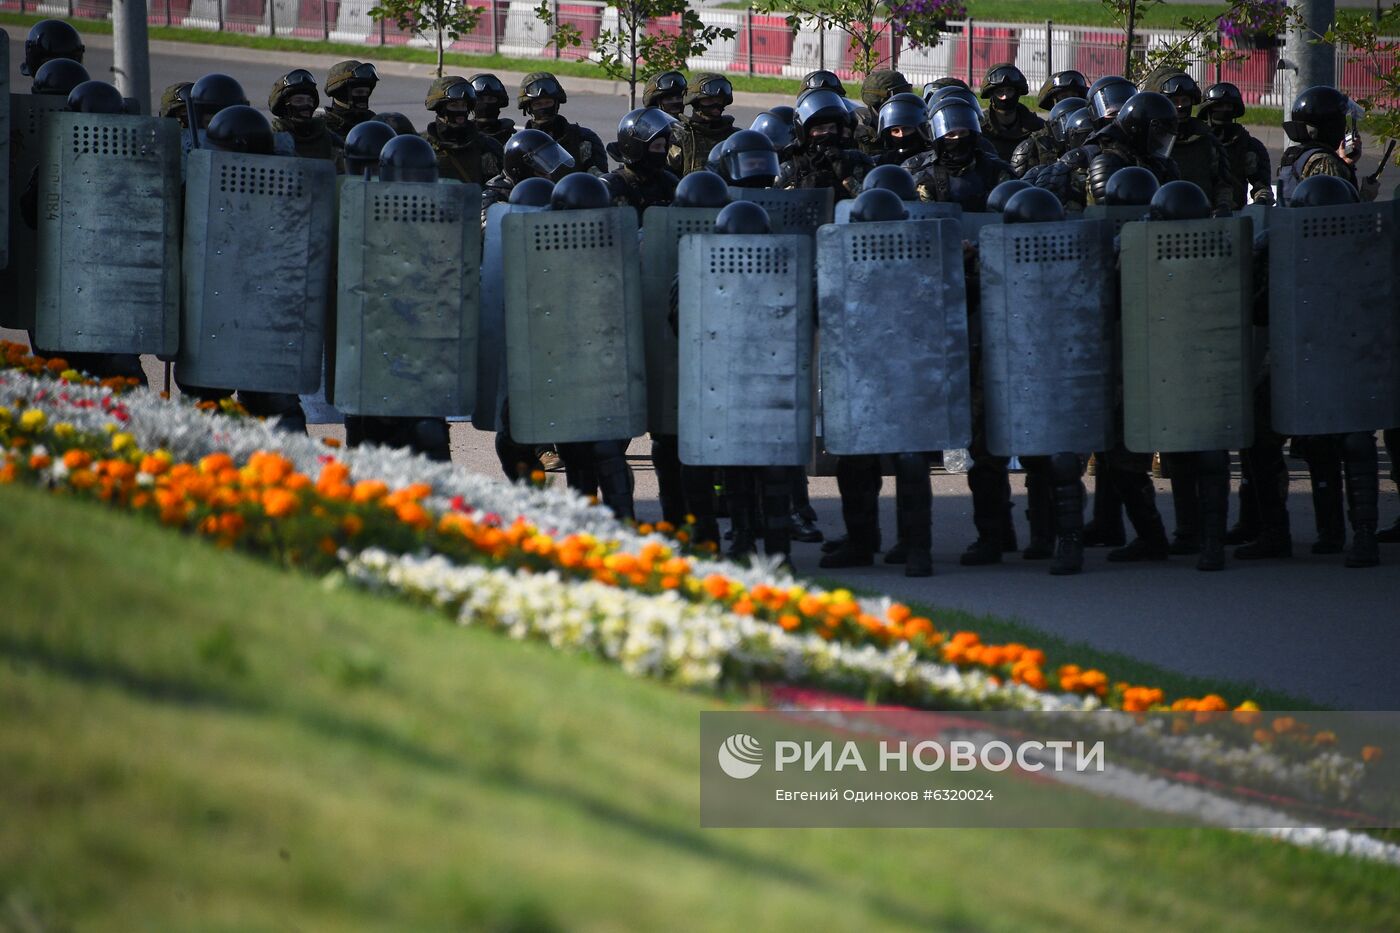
858 478
518 461
1391 535
580 469
1268 487
991 510
1247 528
1106 528
1363 495
1186 504
777 510
427 436
740 489
699 486
1324 457
1129 473
1213 489
804 517
914 505
1067 499
614 477
665 460
1040 508
284 407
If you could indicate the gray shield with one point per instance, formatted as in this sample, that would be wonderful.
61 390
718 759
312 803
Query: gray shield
1186 335
894 353
1116 215
795 211
257 260
918 210
746 335
1049 308
574 335
491 337
1334 318
662 229
109 235
28 115
406 298
974 221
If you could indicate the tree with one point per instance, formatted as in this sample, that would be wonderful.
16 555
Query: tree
632 53
447 20
919 22
1380 57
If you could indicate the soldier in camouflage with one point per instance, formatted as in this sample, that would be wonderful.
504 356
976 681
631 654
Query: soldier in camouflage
1008 121
1320 117
1199 155
540 97
666 92
1249 159
491 99
706 126
293 101
172 103
349 85
957 169
463 152
877 88
643 138
1046 146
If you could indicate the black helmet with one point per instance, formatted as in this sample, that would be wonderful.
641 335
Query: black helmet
296 81
1033 206
1102 167
96 97
1149 120
1060 114
364 143
823 79
532 192
401 124
996 201
712 158
1004 75
743 217
580 192
668 85
709 84
1131 186
240 128
213 93
701 189
408 158
1079 126
1319 115
534 152
1223 100
952 115
1323 191
906 111
1060 85
747 160
877 204
1180 200
1108 94
58 76
891 178
1179 83
49 39
776 124
817 107
490 92
637 131
951 92
539 84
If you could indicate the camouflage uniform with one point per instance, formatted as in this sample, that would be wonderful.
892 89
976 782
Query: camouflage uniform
878 87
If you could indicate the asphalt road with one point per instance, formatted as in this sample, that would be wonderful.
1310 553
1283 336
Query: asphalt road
1307 626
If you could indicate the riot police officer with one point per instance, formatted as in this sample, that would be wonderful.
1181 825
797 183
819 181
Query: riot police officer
1249 159
528 154
400 124
957 169
903 131
747 160
49 39
212 94
540 97
778 124
643 137
1048 144
463 152
1107 96
877 88
666 91
58 76
1143 133
363 147
706 126
824 125
349 85
491 99
1318 125
1008 120
293 101
1060 86
1199 156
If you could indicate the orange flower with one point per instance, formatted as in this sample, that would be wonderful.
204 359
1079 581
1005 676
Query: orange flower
213 463
352 525
76 459
1370 753
153 465
369 490
328 545
413 515
788 621
743 607
231 524
39 461
82 479
716 586
278 503
899 613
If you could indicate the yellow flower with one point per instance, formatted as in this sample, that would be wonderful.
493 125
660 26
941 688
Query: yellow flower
63 430
72 375
32 420
4 415
122 441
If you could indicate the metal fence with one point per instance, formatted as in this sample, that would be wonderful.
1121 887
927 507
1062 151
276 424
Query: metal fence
763 44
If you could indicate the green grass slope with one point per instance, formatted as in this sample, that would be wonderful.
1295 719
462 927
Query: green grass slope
190 740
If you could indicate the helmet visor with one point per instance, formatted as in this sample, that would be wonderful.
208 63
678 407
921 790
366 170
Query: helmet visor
365 72
905 113
1110 98
652 122
670 82
751 164
716 87
551 161
952 116
1161 137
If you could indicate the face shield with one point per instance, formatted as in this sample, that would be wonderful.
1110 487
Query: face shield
751 166
1110 98
1161 137
954 118
552 161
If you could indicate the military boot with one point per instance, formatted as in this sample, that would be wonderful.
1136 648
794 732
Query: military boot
777 513
1151 541
1246 529
899 553
913 509
1389 535
739 492
1328 512
1040 514
1363 494
860 510
1186 504
1069 529
615 478
990 486
1214 492
665 461
1106 527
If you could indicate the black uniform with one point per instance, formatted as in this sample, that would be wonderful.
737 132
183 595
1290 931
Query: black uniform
579 141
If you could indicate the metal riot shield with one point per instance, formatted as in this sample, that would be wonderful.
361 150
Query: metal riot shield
575 350
974 221
662 229
257 258
28 115
406 298
1049 322
491 336
894 351
1334 318
1115 214
918 210
791 211
1186 327
746 334
6 183
108 244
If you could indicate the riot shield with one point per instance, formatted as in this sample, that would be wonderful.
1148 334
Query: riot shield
28 115
257 258
1186 289
576 356
746 335
1116 215
894 353
662 229
796 211
918 210
491 337
974 221
1049 322
406 298
5 182
108 243
1334 318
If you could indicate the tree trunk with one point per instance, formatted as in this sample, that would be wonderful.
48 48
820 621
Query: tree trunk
439 50
632 82
1128 46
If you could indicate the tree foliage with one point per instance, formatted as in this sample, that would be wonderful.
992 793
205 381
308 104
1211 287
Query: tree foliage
864 22
445 20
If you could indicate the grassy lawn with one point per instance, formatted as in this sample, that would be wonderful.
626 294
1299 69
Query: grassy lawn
192 740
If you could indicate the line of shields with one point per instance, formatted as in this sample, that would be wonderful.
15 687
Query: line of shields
251 271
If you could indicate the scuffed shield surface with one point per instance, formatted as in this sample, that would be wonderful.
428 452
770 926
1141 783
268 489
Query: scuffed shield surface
491 336
800 210
918 210
28 115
